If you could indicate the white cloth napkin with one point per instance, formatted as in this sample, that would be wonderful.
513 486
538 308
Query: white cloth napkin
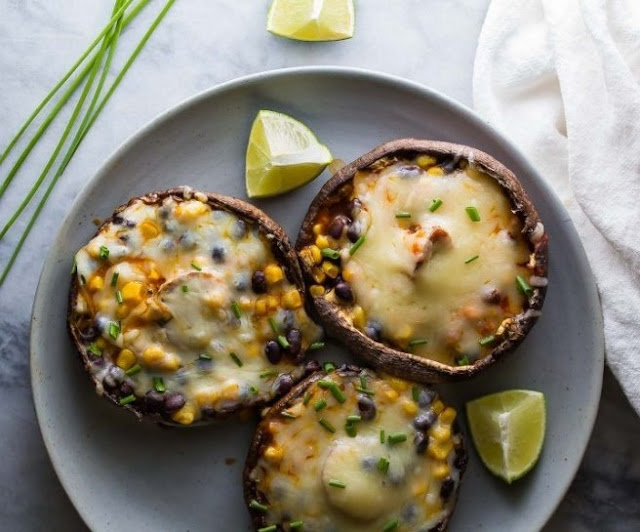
562 79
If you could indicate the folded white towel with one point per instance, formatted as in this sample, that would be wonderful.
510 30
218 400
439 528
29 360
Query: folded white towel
562 79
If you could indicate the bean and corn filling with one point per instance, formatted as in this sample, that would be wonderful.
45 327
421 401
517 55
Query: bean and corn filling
356 452
426 255
185 311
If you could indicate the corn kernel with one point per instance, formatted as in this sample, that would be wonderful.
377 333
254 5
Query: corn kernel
359 318
229 392
154 275
185 415
317 229
448 415
170 363
437 406
152 355
440 451
440 433
347 274
392 395
273 273
291 300
435 170
190 210
404 333
96 283
322 241
426 161
330 269
215 300
473 172
126 359
205 397
307 258
410 408
274 453
132 292
318 275
398 385
316 290
149 229
316 254
273 302
246 304
419 488
440 470
261 306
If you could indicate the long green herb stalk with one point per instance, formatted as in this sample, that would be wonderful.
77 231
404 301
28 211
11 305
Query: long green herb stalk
108 39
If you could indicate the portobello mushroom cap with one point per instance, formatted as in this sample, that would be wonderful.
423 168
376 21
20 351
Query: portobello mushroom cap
188 307
357 457
414 172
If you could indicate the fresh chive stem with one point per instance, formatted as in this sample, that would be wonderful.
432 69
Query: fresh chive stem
295 525
383 465
328 367
382 436
403 214
284 343
126 400
270 528
316 345
397 437
435 204
471 259
267 374
205 356
418 341
196 267
185 288
390 525
235 308
133 370
119 297
114 330
307 398
319 405
354 418
327 425
330 253
415 393
335 483
114 279
473 213
463 361
255 505
487 340
334 389
524 286
273 325
365 390
93 348
350 429
357 244
236 359
158 384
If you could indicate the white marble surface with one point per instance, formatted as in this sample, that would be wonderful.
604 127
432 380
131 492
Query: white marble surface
201 43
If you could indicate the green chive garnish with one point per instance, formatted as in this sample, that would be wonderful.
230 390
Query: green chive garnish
382 438
356 245
403 214
273 325
82 279
267 374
236 310
185 288
104 252
473 213
319 405
415 393
363 382
235 358
133 370
330 253
471 259
383 465
351 430
119 297
196 266
365 390
270 528
74 266
255 505
328 367
337 483
114 279
114 330
253 390
307 398
316 345
464 361
126 400
398 437
390 525
487 340
158 384
294 525
326 425
524 286
204 356
93 348
435 203
282 340
334 389
418 341
354 418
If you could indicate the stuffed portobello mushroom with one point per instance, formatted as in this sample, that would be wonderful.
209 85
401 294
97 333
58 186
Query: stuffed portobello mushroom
353 451
426 258
186 307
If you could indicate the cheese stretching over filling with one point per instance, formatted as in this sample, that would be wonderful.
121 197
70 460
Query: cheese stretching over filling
440 260
186 311
342 459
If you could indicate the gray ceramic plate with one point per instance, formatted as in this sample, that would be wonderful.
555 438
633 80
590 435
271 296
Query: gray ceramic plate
125 475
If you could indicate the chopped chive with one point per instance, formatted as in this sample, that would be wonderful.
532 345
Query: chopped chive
133 370
330 253
267 374
319 405
337 483
354 418
326 425
114 330
94 349
390 525
403 214
383 465
253 390
74 266
185 288
365 390
363 382
235 358
282 340
294 525
487 340
328 367
255 505
158 384
397 437
316 345
473 213
235 308
382 438
114 279
270 528
104 252
126 400
464 361
435 204
273 325
471 259
417 342
351 430
415 393
204 356
119 297
288 415
83 280
524 286
307 398
334 389
357 244
196 266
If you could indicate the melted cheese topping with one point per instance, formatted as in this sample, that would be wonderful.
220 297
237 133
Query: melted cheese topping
337 482
169 288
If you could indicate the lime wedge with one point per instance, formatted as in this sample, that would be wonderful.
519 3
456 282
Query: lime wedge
282 154
508 431
311 20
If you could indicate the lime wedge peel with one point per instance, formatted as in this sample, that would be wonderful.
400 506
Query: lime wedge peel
508 431
282 154
312 20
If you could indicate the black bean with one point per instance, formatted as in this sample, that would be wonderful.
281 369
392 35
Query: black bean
295 342
492 296
373 330
119 220
259 282
425 398
344 292
208 412
446 489
89 333
336 227
353 232
273 352
409 171
424 420
218 254
421 442
204 364
125 389
239 230
449 165
311 367
283 384
173 401
367 407
154 401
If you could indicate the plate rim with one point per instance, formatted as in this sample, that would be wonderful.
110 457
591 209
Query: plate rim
356 73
